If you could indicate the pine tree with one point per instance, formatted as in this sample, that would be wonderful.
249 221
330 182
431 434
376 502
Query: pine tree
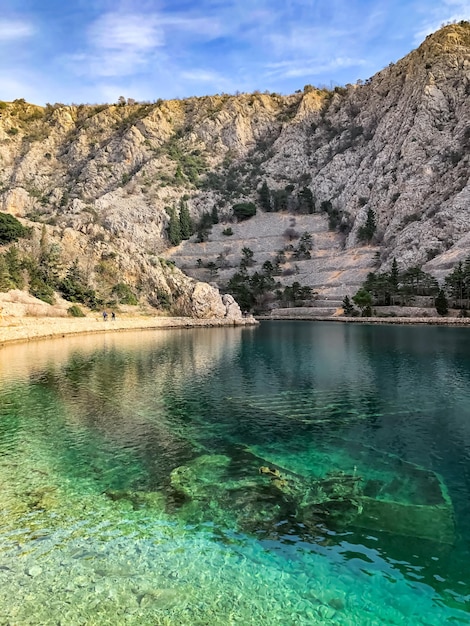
173 228
15 267
366 232
455 282
215 215
348 306
49 260
186 225
265 197
5 280
306 201
441 304
394 280
466 278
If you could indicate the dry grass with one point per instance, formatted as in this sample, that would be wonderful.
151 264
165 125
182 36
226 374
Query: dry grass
38 310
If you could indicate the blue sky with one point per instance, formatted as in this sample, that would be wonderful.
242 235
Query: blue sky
94 51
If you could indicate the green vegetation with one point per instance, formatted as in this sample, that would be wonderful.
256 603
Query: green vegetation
348 306
393 287
441 303
295 295
363 299
41 271
124 294
457 285
186 224
205 224
366 232
247 259
400 288
228 232
173 228
180 225
74 287
215 215
304 247
306 202
244 210
189 166
264 195
337 218
15 268
38 285
11 229
255 291
133 113
75 311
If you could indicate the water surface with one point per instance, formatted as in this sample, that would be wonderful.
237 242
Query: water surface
131 493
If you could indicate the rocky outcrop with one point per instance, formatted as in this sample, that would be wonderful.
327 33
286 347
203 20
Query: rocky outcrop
398 144
232 310
204 301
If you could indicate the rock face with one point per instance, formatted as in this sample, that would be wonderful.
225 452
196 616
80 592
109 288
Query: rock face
102 177
232 310
203 302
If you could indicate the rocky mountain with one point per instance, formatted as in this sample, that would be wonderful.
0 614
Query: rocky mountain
103 179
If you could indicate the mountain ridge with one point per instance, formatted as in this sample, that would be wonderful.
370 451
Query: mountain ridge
101 178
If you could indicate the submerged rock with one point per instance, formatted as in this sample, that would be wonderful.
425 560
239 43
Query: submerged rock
258 497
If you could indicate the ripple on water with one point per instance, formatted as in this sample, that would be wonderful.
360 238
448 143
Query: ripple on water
94 532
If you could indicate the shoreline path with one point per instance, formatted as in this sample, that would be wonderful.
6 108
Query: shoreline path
18 329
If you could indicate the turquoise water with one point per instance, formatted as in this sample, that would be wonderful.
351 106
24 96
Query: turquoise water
131 490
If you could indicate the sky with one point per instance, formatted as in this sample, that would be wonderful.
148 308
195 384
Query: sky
93 51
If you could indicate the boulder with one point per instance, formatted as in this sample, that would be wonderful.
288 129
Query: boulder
232 309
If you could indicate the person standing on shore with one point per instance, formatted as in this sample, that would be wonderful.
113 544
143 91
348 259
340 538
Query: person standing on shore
105 316
113 316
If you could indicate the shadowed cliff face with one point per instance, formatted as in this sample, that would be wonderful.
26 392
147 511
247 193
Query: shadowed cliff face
101 177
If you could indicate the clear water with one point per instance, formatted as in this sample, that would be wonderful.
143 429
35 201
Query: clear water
130 490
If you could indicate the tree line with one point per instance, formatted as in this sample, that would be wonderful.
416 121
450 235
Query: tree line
401 287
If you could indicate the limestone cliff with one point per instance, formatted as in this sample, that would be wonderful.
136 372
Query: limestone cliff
102 177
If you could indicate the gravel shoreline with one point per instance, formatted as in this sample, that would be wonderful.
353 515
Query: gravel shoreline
19 329
409 321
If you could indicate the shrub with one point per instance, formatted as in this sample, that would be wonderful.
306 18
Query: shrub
227 232
163 299
244 210
291 233
11 229
75 311
124 294
74 288
41 290
347 306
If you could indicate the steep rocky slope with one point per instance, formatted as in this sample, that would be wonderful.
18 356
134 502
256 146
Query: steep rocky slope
102 177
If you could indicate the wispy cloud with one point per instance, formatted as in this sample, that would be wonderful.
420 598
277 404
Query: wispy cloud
15 29
293 69
161 48
115 31
119 45
445 11
201 75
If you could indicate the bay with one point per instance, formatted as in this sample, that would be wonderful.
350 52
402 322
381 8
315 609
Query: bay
131 490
